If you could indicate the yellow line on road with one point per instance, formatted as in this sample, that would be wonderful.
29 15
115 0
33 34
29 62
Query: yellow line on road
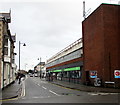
66 87
62 86
9 99
23 90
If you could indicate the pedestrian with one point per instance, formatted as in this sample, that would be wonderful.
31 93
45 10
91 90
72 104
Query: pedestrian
23 76
19 78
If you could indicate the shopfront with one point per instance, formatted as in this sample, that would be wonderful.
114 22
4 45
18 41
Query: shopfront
72 74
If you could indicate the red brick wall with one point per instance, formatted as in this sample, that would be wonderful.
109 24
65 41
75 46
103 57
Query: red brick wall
111 38
101 43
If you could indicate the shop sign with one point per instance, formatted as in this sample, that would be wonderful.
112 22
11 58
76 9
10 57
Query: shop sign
117 73
93 74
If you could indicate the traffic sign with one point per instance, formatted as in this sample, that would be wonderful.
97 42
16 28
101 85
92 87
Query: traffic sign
117 73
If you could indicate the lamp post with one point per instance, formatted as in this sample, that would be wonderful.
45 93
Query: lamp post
40 66
19 52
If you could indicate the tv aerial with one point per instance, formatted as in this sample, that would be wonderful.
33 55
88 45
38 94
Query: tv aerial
85 14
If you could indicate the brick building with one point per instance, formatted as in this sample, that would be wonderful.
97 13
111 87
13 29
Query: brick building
101 35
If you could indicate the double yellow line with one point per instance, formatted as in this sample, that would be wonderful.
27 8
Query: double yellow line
8 99
65 87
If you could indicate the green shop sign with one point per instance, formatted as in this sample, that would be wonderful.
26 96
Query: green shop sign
72 69
66 69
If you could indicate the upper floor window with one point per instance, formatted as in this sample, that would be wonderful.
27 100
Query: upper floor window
6 42
6 50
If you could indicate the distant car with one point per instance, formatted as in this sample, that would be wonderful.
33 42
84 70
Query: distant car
31 75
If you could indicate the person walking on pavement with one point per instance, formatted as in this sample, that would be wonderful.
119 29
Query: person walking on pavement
19 78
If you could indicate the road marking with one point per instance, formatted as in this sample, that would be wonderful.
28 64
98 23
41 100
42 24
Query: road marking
54 92
24 98
93 94
23 90
44 87
43 82
64 87
38 84
38 97
102 93
9 99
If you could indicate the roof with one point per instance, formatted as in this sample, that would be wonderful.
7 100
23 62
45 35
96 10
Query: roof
99 8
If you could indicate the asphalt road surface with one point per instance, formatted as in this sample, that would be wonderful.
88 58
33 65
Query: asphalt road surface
36 90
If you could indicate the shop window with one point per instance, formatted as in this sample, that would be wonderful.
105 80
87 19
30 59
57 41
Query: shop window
76 74
65 74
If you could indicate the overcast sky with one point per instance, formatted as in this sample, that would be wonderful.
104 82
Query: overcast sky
46 26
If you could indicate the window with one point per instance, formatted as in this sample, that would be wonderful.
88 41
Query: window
6 50
6 42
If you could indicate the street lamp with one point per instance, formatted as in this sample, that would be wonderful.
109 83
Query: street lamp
40 66
19 52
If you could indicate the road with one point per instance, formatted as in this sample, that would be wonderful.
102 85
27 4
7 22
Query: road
36 90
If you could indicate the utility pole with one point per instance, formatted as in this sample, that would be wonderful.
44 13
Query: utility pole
84 9
19 52
40 66
19 55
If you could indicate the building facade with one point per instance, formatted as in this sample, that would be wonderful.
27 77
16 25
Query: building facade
40 69
7 55
67 65
101 45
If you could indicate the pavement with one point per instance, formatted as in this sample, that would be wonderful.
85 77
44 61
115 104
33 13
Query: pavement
14 90
86 88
